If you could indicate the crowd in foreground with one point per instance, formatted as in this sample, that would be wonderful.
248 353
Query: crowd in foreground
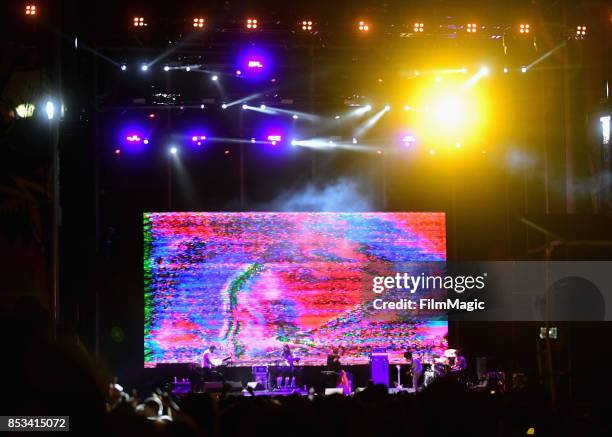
50 374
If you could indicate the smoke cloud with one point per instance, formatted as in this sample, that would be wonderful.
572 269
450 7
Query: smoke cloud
342 195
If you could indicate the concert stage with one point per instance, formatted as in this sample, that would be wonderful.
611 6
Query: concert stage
251 284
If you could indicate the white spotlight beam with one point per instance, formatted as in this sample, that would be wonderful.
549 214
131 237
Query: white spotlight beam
235 140
545 55
370 123
243 100
265 110
304 115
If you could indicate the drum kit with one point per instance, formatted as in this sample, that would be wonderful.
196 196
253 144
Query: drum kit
437 366
434 366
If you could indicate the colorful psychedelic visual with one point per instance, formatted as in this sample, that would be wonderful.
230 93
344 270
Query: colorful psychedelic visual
250 283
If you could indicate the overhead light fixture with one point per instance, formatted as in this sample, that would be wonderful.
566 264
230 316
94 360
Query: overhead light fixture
139 22
363 26
307 25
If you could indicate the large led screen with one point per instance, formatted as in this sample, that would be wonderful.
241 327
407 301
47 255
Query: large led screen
250 283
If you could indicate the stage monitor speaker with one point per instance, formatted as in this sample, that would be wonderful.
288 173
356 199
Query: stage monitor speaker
380 368
334 391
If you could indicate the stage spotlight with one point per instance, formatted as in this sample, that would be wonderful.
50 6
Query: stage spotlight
580 32
252 23
337 117
30 10
367 108
363 26
262 106
407 108
432 152
254 63
139 22
123 67
524 28
605 129
50 110
275 138
145 141
295 116
418 27
133 138
198 23
484 70
144 67
294 142
188 69
506 69
166 68
198 139
238 72
307 25
523 69
471 28
408 140
354 141
387 108
117 151
224 106
25 110
214 78
173 150
151 115
457 145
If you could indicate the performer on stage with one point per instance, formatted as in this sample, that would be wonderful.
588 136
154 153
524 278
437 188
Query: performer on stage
459 367
416 369
287 354
287 375
333 361
207 357
460 363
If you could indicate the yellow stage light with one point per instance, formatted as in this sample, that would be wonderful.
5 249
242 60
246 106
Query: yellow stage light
363 26
472 28
449 113
524 28
139 22
307 25
418 27
198 22
30 10
252 23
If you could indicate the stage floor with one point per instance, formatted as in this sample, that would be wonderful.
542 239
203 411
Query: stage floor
282 392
